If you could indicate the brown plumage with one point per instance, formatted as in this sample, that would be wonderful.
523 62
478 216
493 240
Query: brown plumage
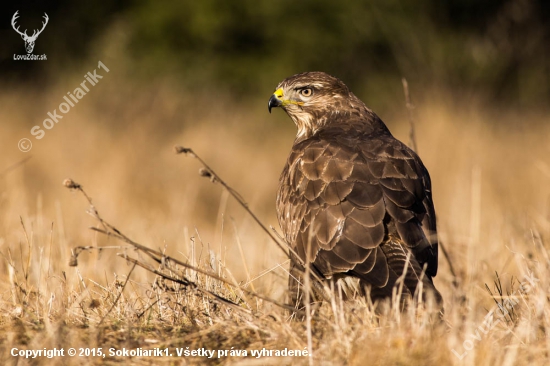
353 196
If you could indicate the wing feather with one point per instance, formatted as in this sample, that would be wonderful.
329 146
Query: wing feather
341 195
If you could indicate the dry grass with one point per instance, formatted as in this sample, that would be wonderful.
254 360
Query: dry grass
491 178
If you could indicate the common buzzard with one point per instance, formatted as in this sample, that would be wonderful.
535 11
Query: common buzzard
352 195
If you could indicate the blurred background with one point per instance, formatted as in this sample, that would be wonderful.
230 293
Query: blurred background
199 74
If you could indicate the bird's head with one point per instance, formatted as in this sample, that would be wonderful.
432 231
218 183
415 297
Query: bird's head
312 99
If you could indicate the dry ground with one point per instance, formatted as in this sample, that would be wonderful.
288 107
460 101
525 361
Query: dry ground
491 176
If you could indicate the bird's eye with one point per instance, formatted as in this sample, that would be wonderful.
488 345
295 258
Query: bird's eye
306 92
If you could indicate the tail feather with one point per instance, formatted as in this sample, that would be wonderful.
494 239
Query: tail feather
404 267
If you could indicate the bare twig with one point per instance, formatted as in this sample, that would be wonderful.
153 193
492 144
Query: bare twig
118 296
215 178
207 172
211 275
183 282
159 257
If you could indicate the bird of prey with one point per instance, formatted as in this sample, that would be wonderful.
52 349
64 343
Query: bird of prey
353 201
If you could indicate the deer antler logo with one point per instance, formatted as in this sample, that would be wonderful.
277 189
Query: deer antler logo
29 41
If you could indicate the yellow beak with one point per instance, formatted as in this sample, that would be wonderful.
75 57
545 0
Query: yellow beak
275 100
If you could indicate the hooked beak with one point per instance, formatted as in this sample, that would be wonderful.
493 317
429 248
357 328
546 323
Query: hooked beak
275 100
